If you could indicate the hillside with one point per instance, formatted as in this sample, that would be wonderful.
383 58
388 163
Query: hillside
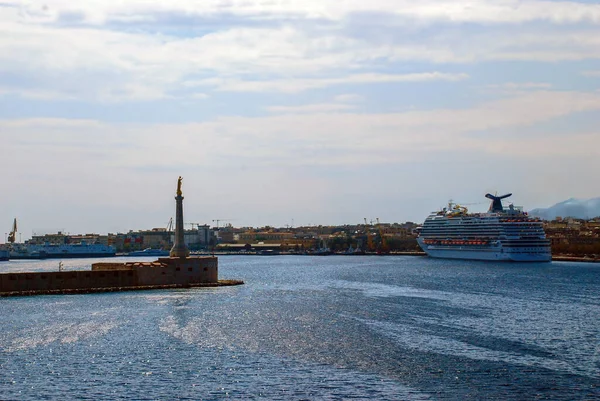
576 208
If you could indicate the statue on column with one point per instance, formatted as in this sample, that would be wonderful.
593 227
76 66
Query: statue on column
179 193
179 249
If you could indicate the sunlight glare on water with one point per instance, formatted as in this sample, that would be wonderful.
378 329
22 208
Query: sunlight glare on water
335 327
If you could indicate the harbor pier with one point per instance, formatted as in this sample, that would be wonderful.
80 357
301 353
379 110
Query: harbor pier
177 271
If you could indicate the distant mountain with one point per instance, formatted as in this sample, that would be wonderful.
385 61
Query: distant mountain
576 208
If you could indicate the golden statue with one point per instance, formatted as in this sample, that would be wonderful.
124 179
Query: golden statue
179 186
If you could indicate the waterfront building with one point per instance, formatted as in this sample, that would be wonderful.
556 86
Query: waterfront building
157 238
58 238
265 236
61 238
197 238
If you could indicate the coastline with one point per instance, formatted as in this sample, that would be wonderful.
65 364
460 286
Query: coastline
564 258
399 253
555 258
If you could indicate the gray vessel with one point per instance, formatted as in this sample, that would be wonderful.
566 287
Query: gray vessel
43 251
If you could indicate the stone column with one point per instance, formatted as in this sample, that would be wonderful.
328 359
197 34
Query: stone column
179 249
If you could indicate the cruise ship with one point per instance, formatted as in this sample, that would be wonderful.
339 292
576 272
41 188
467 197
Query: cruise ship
501 234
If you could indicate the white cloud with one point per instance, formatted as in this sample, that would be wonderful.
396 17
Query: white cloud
36 94
457 11
49 123
591 73
199 96
348 98
187 50
311 108
338 137
261 166
301 84
515 86
287 52
577 145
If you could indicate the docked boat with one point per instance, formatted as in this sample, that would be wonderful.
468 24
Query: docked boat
352 251
4 255
149 252
325 251
43 251
503 234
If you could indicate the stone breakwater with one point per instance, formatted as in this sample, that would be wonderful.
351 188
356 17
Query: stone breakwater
105 277
220 283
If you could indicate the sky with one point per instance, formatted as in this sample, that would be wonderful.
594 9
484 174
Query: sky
281 112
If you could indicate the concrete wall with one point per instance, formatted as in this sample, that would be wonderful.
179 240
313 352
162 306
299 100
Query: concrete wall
112 266
180 271
115 275
42 281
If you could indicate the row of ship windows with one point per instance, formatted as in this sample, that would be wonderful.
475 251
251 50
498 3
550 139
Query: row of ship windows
480 223
470 221
528 250
462 226
481 234
447 224
539 242
483 231
460 241
479 227
520 250
473 228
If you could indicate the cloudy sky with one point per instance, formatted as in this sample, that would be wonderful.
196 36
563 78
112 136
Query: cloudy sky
281 111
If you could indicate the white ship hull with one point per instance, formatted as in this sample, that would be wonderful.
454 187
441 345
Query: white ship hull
149 252
498 235
30 251
497 253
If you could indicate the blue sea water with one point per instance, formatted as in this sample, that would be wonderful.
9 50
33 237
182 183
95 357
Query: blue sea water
336 328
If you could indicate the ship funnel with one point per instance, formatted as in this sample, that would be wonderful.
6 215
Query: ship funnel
496 205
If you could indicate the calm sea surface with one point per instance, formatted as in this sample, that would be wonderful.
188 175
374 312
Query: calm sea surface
337 327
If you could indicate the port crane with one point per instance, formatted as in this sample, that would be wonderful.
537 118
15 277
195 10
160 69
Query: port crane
384 248
370 244
12 236
219 220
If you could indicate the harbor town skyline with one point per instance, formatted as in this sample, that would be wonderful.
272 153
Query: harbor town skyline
280 114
